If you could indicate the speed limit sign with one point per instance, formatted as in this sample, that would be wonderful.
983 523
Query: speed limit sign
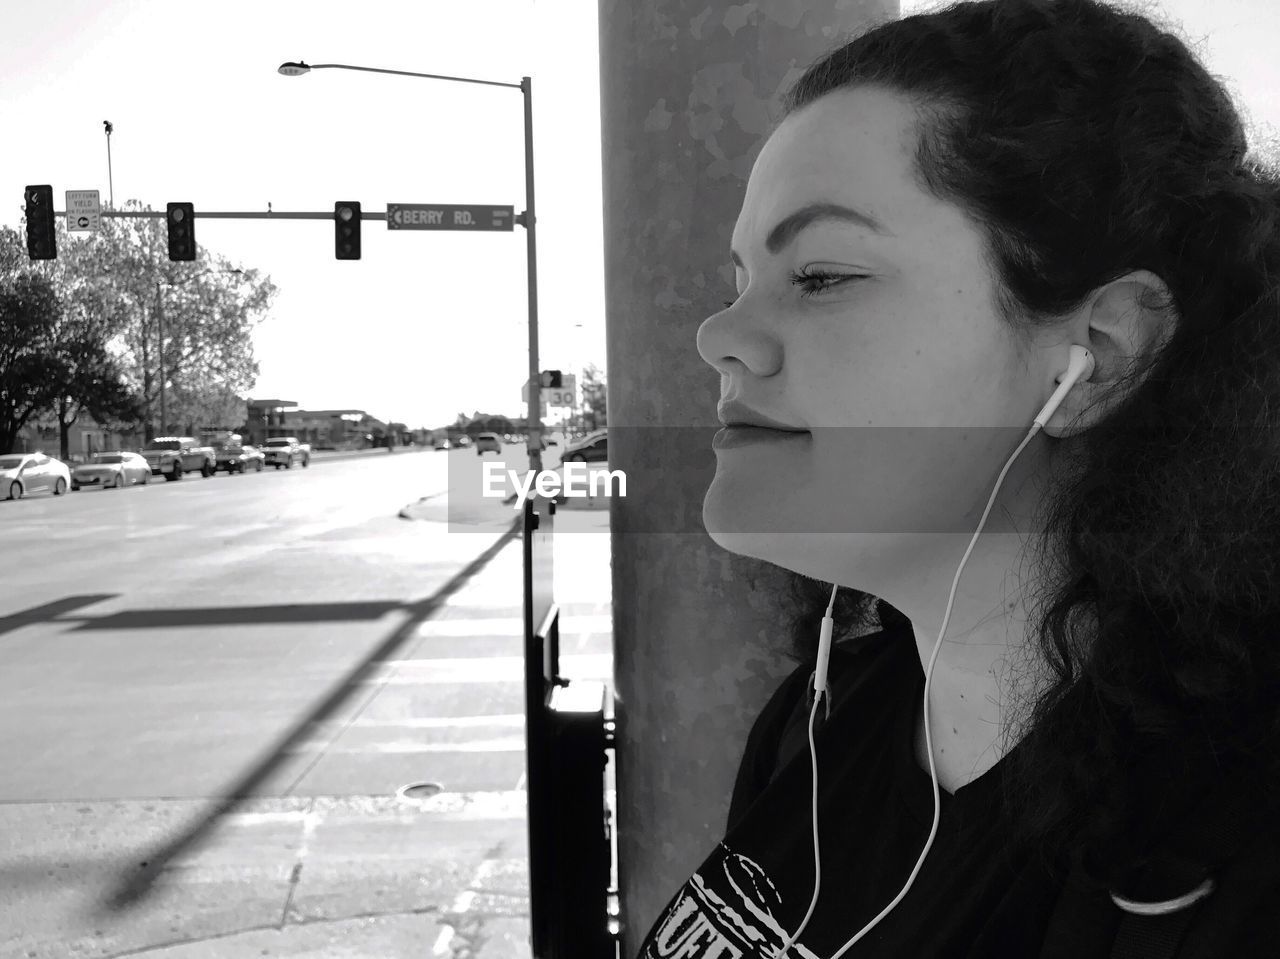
560 397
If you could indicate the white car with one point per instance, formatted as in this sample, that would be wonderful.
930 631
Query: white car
23 473
111 471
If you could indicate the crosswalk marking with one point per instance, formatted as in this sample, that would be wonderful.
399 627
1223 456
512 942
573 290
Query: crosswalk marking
150 532
481 669
510 626
511 744
434 722
496 804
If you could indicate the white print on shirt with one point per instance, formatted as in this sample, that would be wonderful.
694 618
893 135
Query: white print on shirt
727 914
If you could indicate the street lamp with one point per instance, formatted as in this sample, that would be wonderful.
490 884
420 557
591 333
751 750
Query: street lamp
164 413
527 220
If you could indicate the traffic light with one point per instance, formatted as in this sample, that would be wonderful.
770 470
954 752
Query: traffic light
182 231
551 380
40 235
346 230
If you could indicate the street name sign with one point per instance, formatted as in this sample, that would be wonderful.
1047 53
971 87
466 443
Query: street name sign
84 211
444 216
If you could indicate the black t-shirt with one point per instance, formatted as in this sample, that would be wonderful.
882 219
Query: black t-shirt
974 896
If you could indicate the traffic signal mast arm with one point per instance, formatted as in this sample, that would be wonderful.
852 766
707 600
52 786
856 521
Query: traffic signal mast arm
346 217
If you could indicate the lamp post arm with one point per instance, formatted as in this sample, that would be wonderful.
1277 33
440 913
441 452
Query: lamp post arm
525 86
406 73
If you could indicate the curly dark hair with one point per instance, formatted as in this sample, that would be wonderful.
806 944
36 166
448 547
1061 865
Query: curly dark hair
1087 142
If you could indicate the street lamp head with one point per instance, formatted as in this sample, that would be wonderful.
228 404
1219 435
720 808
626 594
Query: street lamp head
293 69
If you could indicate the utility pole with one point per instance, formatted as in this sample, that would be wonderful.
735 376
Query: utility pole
111 196
164 413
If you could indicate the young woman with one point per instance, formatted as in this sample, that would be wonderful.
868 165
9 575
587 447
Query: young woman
953 205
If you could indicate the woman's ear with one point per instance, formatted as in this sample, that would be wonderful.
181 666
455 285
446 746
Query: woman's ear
1123 322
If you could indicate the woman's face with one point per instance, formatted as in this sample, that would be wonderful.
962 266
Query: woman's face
866 319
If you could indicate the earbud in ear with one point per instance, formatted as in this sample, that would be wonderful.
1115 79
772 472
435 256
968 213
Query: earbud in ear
1079 367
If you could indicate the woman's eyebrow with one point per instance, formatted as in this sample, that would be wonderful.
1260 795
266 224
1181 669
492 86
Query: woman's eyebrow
791 225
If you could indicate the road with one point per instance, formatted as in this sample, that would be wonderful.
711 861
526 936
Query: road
168 646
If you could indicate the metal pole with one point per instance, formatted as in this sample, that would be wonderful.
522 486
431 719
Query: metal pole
530 219
164 417
110 182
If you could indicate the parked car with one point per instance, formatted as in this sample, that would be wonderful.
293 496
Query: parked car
589 448
111 471
171 456
463 440
238 459
441 443
23 473
488 441
284 451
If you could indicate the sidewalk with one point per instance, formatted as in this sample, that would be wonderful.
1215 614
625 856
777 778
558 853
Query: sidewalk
329 877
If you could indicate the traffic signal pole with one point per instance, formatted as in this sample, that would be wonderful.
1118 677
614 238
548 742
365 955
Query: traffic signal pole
534 424
526 219
43 204
40 198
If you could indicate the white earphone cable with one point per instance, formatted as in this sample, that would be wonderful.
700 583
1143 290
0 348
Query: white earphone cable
821 693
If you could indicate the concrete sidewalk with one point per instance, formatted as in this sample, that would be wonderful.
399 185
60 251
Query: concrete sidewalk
329 877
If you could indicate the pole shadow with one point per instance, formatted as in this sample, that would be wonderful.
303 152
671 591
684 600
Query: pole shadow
132 889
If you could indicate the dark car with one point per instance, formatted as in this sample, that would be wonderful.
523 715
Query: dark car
488 442
238 459
594 447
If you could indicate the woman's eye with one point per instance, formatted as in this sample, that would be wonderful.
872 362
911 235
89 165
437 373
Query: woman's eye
812 282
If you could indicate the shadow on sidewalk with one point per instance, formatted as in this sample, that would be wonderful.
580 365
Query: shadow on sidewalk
133 888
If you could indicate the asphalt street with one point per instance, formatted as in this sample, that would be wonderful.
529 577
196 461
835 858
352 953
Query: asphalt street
237 676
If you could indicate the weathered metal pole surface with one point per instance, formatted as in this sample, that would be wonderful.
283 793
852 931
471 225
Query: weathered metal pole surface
690 89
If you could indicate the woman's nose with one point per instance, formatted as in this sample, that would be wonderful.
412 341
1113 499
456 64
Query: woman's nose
733 339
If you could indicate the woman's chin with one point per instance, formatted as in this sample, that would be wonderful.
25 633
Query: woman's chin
743 532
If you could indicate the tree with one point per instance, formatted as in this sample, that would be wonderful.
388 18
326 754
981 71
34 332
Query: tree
91 382
204 314
208 346
29 370
594 393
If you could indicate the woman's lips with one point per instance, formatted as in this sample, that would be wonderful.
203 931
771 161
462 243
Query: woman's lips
742 434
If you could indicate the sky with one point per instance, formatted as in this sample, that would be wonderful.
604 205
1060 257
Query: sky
427 324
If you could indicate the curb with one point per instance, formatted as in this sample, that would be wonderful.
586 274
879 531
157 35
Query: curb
325 457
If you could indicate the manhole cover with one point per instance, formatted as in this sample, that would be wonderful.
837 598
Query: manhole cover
419 790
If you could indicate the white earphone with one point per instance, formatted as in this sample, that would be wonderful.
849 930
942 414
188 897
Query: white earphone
1079 366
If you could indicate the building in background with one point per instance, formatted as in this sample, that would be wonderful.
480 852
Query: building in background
323 429
84 438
